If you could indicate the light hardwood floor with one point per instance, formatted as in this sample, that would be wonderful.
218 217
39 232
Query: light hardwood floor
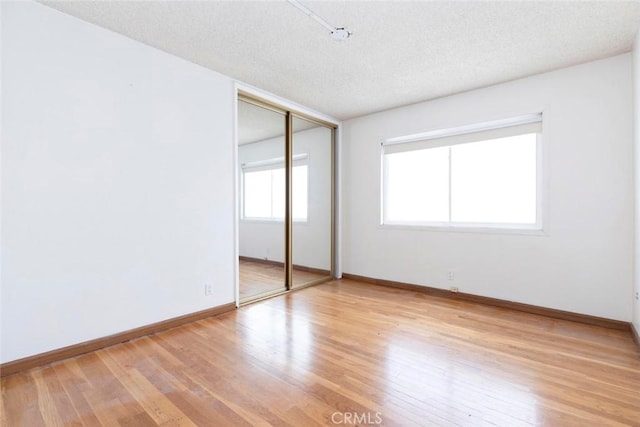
330 353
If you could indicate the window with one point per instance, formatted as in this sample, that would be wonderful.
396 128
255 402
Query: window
263 190
484 175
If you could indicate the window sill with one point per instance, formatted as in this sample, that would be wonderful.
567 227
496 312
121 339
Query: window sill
475 228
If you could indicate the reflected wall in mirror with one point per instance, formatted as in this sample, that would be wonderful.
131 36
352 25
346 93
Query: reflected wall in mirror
311 198
262 192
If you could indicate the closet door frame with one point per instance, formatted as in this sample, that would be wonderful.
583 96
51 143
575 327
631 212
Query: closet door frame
288 216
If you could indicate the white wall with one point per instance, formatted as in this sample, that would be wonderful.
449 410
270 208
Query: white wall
311 239
117 183
636 120
583 264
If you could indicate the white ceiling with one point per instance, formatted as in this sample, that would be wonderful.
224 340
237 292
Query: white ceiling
401 52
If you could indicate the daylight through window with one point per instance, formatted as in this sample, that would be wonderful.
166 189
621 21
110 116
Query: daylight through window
483 175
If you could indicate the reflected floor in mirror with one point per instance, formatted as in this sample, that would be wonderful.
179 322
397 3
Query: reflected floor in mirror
328 353
258 277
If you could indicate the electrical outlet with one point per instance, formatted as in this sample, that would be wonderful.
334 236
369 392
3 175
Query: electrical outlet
208 289
637 296
454 289
450 275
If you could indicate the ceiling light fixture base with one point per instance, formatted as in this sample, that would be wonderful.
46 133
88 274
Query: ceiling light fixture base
340 34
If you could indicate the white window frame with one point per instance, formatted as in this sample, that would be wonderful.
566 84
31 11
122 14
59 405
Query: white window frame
271 164
459 135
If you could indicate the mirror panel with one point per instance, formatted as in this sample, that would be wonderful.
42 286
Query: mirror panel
311 199
262 190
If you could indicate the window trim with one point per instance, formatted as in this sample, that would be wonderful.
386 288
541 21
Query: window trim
433 139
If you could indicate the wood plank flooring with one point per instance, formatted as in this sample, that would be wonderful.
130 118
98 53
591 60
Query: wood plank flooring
345 353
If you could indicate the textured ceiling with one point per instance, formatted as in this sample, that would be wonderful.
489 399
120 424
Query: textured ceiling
401 52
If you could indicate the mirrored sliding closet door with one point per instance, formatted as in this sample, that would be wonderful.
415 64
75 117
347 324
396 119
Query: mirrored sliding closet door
261 168
286 193
312 197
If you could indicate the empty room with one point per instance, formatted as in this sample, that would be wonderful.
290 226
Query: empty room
332 213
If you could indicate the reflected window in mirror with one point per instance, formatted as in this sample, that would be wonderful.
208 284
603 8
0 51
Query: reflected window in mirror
263 190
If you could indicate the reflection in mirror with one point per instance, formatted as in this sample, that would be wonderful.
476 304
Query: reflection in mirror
261 154
311 202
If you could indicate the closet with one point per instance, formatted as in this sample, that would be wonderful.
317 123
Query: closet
286 199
